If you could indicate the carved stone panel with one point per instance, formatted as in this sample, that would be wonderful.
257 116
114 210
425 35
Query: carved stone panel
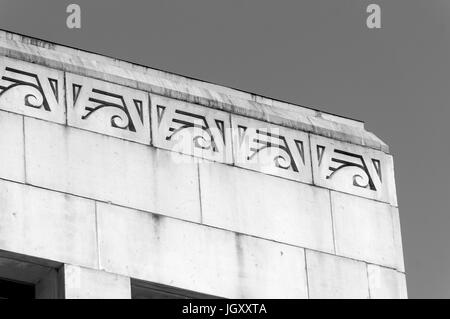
353 169
32 90
107 108
191 129
271 149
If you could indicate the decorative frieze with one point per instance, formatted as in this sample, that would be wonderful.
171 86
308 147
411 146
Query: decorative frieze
353 169
191 129
32 90
271 149
107 108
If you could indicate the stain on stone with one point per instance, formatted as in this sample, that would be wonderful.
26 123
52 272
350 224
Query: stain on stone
156 223
240 263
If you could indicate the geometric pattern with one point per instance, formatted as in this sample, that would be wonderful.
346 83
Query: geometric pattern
108 108
271 149
191 129
32 90
353 169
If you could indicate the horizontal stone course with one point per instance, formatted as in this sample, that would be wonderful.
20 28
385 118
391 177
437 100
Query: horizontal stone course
331 277
45 224
386 283
269 207
365 230
112 170
196 257
85 283
204 132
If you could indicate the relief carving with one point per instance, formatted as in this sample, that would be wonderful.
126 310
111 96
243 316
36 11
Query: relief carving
31 90
353 169
190 129
271 149
108 108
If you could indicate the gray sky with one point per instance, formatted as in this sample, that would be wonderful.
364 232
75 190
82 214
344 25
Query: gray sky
317 53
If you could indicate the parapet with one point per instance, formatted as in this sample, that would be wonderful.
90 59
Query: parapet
126 173
187 89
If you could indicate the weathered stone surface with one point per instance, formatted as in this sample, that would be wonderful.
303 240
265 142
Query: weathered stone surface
108 108
187 89
386 283
333 277
47 224
365 229
271 149
32 90
85 283
238 231
196 257
345 130
12 165
110 169
398 240
353 169
266 206
191 129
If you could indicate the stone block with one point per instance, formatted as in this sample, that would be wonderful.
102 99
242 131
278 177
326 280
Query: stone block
108 108
12 165
353 169
398 240
271 149
198 258
334 277
85 283
191 129
386 283
265 206
32 90
364 229
47 224
112 170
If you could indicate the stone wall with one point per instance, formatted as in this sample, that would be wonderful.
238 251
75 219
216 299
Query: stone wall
119 171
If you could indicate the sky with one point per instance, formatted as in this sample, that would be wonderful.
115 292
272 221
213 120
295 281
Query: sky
317 53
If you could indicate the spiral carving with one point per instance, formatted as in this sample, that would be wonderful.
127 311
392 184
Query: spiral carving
284 162
195 128
266 142
117 112
26 85
203 142
353 165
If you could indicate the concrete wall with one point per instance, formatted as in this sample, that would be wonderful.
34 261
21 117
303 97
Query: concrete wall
119 171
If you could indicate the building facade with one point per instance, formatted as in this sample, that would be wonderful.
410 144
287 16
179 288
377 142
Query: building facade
122 181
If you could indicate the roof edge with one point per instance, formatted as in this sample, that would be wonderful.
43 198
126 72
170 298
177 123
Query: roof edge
188 89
